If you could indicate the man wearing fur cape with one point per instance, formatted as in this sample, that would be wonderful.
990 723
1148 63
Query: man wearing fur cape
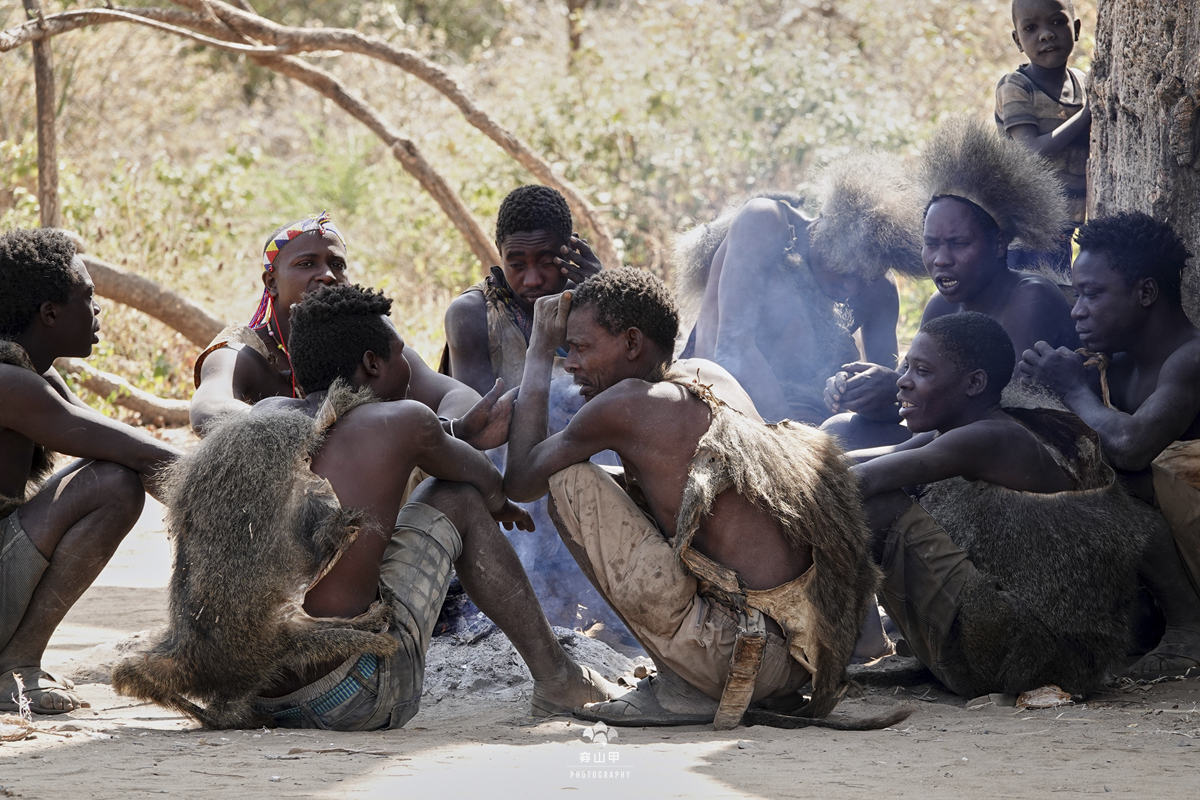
735 551
779 293
1015 566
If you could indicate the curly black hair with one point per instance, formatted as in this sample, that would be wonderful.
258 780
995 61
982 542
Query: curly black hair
1138 246
533 208
975 341
626 298
35 266
331 330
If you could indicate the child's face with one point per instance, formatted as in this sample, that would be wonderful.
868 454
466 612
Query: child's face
1045 31
931 388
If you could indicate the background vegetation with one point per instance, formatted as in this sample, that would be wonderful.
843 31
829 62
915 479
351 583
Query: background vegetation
176 161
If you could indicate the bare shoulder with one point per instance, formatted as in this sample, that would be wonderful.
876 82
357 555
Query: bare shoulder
466 311
937 306
1184 363
723 385
1041 290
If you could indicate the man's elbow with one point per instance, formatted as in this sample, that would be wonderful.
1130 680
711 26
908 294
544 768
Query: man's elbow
522 488
1128 453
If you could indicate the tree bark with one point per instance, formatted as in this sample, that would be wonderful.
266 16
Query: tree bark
43 77
153 410
1145 96
185 316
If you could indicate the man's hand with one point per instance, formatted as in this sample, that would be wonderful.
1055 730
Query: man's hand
1061 370
512 514
861 387
550 322
578 262
486 425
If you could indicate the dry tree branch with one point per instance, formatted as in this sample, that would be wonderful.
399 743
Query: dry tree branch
404 149
153 410
283 40
47 151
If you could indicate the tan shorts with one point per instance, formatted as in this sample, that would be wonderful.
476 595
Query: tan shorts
367 693
924 573
1179 503
634 568
21 569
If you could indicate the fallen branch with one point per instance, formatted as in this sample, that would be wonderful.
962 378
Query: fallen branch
185 316
153 410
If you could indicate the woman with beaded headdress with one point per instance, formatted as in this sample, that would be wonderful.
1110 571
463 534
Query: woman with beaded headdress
247 363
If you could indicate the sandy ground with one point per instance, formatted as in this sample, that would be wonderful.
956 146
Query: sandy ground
473 734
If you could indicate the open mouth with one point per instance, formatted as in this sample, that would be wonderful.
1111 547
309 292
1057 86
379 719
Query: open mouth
947 285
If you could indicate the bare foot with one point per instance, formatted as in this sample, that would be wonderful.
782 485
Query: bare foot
1177 655
46 692
581 685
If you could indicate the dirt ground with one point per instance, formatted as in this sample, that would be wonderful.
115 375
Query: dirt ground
474 734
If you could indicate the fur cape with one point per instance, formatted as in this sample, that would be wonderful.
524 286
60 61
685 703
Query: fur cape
1056 572
967 158
253 529
42 465
799 476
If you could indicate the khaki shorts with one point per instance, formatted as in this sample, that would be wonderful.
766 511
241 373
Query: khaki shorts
924 574
21 569
1179 503
367 693
632 565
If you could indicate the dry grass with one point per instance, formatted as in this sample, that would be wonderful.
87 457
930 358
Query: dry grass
673 108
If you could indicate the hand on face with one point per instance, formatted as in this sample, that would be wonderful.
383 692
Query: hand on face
1059 370
486 425
577 261
861 386
550 322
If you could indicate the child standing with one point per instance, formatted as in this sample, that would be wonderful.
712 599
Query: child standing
1043 106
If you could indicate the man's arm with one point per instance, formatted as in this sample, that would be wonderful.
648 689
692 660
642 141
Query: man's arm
32 407
532 458
467 339
877 311
223 384
870 453
950 455
1130 441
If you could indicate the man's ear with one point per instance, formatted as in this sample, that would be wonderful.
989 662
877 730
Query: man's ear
370 366
635 343
48 313
268 279
1002 243
976 382
1147 292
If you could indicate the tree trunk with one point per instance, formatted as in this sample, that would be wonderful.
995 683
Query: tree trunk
1145 95
43 77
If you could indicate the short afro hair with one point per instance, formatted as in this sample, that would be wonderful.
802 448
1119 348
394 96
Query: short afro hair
35 266
1138 246
533 208
625 298
331 330
975 341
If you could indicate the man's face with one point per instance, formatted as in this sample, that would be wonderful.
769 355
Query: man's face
79 317
1045 31
958 254
1108 314
931 388
834 285
596 359
528 263
392 382
310 260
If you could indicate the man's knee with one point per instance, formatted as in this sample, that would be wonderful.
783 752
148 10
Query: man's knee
458 501
120 492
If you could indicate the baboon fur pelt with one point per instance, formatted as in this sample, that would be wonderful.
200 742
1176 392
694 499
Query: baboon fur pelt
253 530
799 476
42 463
1056 572
967 158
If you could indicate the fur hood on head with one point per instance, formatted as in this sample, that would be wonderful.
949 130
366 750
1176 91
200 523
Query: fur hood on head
967 158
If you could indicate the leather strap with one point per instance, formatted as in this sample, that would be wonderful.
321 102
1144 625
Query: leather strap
744 664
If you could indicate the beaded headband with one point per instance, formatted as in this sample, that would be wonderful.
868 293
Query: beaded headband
322 223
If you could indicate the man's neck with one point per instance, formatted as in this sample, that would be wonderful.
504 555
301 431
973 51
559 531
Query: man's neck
974 412
1166 330
992 298
41 356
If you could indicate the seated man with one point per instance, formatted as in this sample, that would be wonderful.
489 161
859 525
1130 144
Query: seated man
1015 566
487 332
1128 278
768 538
340 333
56 533
247 363
773 285
982 193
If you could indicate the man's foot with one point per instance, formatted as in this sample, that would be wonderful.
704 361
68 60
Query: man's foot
657 701
1177 655
583 685
46 692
